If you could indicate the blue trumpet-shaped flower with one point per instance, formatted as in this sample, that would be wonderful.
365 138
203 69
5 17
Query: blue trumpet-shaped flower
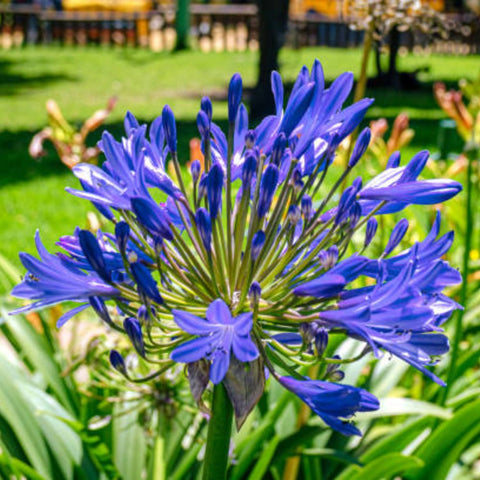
249 263
333 402
50 280
219 336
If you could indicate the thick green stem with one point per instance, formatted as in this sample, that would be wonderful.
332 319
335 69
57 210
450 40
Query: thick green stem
472 154
218 438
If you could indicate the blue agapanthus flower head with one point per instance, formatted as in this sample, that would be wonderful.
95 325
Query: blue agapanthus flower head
247 264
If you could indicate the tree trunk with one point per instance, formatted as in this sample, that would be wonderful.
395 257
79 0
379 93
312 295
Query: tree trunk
182 24
394 43
273 16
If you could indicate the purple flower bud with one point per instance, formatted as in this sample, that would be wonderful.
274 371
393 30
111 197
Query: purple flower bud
298 186
117 362
397 235
234 96
195 169
258 241
278 149
206 106
355 214
93 253
214 190
357 184
294 214
250 138
321 340
204 226
360 147
307 207
158 245
203 124
202 186
372 226
254 292
296 176
146 285
142 314
100 309
415 166
169 127
130 123
134 331
345 203
328 258
122 233
152 217
394 160
336 375
307 331
267 189
249 168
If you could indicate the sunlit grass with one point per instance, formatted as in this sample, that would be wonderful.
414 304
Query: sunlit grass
81 80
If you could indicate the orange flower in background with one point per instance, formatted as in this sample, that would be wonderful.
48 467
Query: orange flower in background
69 143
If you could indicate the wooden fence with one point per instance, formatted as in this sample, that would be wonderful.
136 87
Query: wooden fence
213 27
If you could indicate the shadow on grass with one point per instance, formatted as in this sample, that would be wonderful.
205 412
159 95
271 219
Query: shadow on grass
13 83
16 165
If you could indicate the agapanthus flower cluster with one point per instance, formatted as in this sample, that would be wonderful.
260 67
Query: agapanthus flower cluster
247 265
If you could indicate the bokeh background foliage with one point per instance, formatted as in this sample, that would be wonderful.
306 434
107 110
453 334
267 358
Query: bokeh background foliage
59 419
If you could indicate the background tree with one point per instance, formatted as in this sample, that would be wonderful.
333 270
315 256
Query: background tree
273 16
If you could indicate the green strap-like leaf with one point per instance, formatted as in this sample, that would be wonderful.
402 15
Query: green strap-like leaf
446 444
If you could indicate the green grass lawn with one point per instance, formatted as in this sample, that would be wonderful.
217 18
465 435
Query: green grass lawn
81 79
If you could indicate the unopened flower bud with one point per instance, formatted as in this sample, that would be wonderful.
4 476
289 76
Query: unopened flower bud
307 331
250 138
337 376
267 189
345 203
258 241
134 331
307 207
294 214
100 309
203 124
278 149
202 186
195 169
397 235
249 168
298 186
169 127
321 341
372 226
206 106
254 292
122 233
204 226
146 285
328 258
214 190
130 123
296 176
355 214
234 96
360 147
142 315
394 160
117 362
